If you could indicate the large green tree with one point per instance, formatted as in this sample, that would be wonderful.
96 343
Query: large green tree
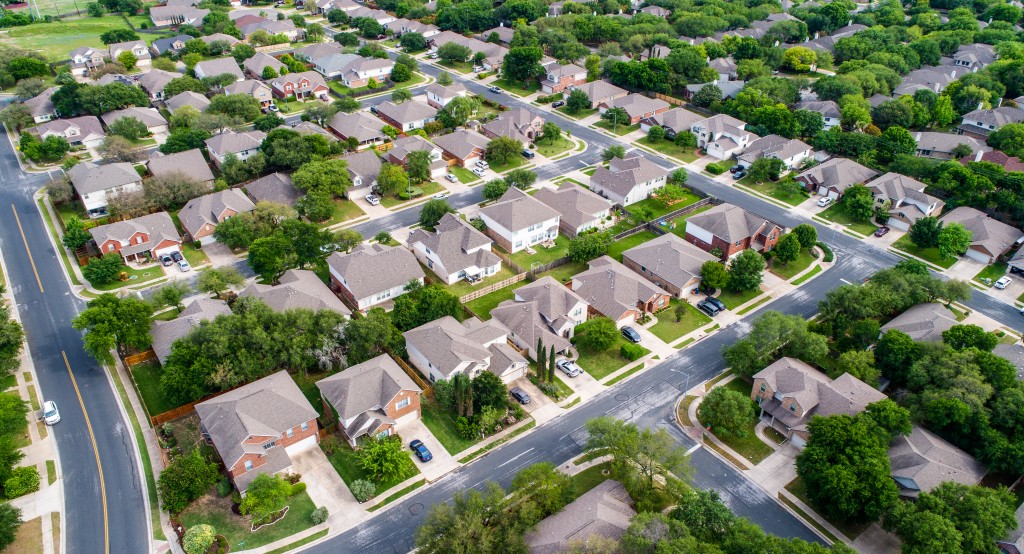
772 336
111 322
726 412
185 479
954 518
746 271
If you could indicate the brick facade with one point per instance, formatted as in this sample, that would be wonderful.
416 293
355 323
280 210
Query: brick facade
238 468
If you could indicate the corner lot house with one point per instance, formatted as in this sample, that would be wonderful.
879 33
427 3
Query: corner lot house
407 115
200 216
922 461
297 289
669 262
455 250
637 107
545 310
151 118
85 130
990 238
558 77
832 177
219 66
517 221
732 229
603 511
907 199
722 136
599 92
371 399
617 293
150 235
444 348
923 322
190 164
41 106
792 152
164 333
790 392
465 146
256 428
580 210
242 145
276 188
628 180
373 273
95 183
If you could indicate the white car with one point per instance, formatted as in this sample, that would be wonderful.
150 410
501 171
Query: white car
373 200
451 177
825 201
483 165
569 368
478 171
441 196
1003 282
183 266
50 414
273 108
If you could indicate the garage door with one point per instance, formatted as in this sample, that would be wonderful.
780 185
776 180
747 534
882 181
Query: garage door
513 375
978 256
407 418
208 239
302 445
163 251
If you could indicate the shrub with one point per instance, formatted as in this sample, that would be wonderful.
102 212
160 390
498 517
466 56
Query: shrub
198 539
632 352
715 168
297 488
466 428
549 98
319 515
829 256
23 480
224 487
362 489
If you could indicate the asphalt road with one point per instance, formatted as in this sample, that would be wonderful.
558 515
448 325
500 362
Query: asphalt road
95 509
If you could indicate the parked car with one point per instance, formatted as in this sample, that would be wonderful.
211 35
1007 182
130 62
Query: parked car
478 171
420 450
739 175
50 413
527 154
433 55
716 303
483 164
373 109
372 199
708 308
735 168
477 68
495 90
569 367
452 178
631 334
176 256
273 108
881 231
558 104
1003 282
166 260
520 395
183 266
824 201
441 196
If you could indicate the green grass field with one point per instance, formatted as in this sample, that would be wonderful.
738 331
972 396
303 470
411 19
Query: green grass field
668 329
803 260
618 247
56 40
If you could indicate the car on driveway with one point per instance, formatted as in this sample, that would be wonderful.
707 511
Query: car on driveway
478 171
176 256
558 104
631 334
736 168
1003 282
420 450
166 260
372 200
569 367
451 178
520 395
739 175
881 231
273 108
183 266
527 154
716 303
50 414
824 201
708 308
482 164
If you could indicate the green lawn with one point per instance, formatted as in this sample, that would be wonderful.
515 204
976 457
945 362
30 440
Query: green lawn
55 40
788 271
659 208
147 380
428 188
551 149
516 161
461 67
670 148
581 115
442 425
563 272
750 446
346 463
678 226
733 300
463 287
416 79
195 256
542 255
465 176
151 272
517 88
344 210
837 214
482 306
927 254
217 512
774 190
991 272
620 129
601 364
618 247
668 329
590 478
807 276
590 171
307 384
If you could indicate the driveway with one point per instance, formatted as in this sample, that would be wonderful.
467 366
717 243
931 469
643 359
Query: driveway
541 408
442 463
583 384
220 255
325 487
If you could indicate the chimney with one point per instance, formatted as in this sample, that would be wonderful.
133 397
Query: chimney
978 155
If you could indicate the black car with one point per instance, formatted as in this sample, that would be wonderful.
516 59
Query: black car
739 175
558 104
520 395
528 155
176 256
735 168
631 334
421 451
716 303
708 308
373 109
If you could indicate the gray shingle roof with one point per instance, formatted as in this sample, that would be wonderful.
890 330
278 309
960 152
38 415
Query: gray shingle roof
365 387
370 269
922 461
826 108
158 226
612 289
406 112
451 91
814 391
731 223
230 142
88 126
525 321
1013 353
554 300
248 86
923 322
189 163
276 188
576 204
148 116
447 344
670 258
637 105
404 146
677 119
88 177
365 164
219 66
156 79
602 511
774 146
453 240
359 125
208 208
41 104
164 333
623 174
599 91
162 45
188 98
462 142
840 173
299 289
994 237
261 61
516 210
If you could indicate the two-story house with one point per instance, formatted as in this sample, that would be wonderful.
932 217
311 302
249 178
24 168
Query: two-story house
41 106
518 124
257 427
171 16
95 184
165 333
85 130
188 163
256 89
518 221
558 77
612 290
438 96
170 45
674 121
832 177
907 200
136 47
628 180
722 136
580 209
465 146
407 115
256 65
455 250
373 274
941 146
974 56
399 153
358 72
669 262
544 311
637 107
242 145
444 348
276 188
150 117
305 85
792 152
828 109
150 235
981 123
731 229
201 215
371 399
599 92
297 289
218 66
84 59
363 169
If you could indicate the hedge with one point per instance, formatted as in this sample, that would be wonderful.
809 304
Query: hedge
829 256
632 352
716 168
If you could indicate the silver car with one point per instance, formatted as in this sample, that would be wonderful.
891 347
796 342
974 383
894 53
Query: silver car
50 413
569 367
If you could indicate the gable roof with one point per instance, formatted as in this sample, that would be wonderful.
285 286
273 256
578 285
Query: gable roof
577 205
231 142
219 66
220 37
838 173
450 91
612 289
637 105
922 461
923 321
148 116
462 142
372 268
603 511
517 210
357 124
42 103
248 86
158 226
315 79
88 126
406 112
156 79
88 177
457 244
299 289
996 116
946 142
827 108
207 209
403 146
276 187
187 98
731 223
165 333
524 320
600 90
994 237
366 386
189 163
774 146
623 174
554 301
1009 163
162 45
261 61
365 164
448 344
814 391
677 119
670 258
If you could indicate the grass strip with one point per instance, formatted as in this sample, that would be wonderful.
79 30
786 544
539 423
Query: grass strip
56 240
32 398
588 456
715 381
684 410
397 495
624 374
732 460
497 443
754 306
577 400
300 542
686 343
807 276
51 472
41 428
55 524
27 375
808 519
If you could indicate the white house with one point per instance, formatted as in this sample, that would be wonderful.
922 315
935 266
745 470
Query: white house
455 250
373 273
518 221
792 152
722 136
444 348
628 180
243 145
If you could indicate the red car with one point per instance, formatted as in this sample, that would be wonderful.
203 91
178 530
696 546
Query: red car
881 231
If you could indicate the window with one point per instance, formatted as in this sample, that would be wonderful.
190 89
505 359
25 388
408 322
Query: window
402 403
763 387
269 445
305 426
289 433
792 407
248 465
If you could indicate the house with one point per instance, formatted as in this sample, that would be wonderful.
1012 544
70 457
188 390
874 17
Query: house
504 34
171 45
261 12
518 124
617 293
85 59
1013 353
494 54
729 89
324 6
1008 163
455 250
354 71
311 52
275 188
297 289
363 168
401 26
250 24
444 348
725 68
256 428
604 511
164 333
828 109
110 78
94 184
599 92
254 66
792 152
308 128
438 96
579 209
372 274
154 81
229 40
722 136
371 399
974 56
253 88
669 262
558 77
990 238
832 177
935 79
84 130
147 236
465 146
380 16
1013 543
171 16
922 322
41 106
187 98
656 11
150 117
219 66
189 163
201 215
518 221
637 107
544 311
555 9
304 85
940 146
399 153
921 461
407 115
136 47
628 180
980 123
907 200
674 121
358 125
791 392
242 145
732 230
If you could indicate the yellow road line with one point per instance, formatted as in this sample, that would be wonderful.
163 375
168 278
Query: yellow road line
96 452
27 250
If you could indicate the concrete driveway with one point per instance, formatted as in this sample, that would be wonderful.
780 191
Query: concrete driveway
442 463
583 384
220 255
541 408
325 487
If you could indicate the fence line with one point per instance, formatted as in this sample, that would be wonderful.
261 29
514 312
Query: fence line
492 287
508 260
139 358
415 375
534 271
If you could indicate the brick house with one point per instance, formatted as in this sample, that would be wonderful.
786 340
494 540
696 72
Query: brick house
465 146
560 77
201 215
731 229
669 262
151 235
617 293
305 85
637 107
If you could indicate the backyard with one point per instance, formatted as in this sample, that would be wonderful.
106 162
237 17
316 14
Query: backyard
542 255
659 208
442 426
930 254
600 364
346 462
482 306
752 448
837 214
678 225
669 148
216 511
463 287
618 247
669 330
147 380
803 260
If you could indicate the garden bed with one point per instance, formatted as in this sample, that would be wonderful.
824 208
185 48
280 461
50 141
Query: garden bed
216 511
346 462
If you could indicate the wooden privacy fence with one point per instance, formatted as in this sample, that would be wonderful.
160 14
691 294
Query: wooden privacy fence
670 99
139 358
492 287
415 375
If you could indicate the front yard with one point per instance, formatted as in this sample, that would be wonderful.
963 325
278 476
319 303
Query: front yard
619 129
837 213
216 511
669 148
992 273
803 260
442 426
749 446
669 329
344 210
461 67
777 190
582 114
465 176
600 364
150 272
517 88
542 255
346 462
550 149
733 300
423 189
930 255
516 161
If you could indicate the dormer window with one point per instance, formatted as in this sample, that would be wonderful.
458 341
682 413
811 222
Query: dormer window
764 387
792 407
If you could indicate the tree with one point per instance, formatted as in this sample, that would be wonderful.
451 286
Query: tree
503 150
171 294
198 539
10 520
413 42
494 189
185 479
118 149
860 364
954 239
656 133
953 518
401 95
523 63
466 524
766 169
745 271
265 496
109 321
707 96
894 141
895 353
806 234
16 116
433 211
457 112
489 392
616 116
520 178
103 270
799 59
596 334
577 101
549 489
129 128
242 106
75 235
961 337
925 232
118 35
327 176
218 279
401 73
590 246
392 179
773 336
639 456
453 52
787 249
127 59
417 165
612 152
367 337
384 458
12 414
444 78
270 256
713 275
550 133
1008 138
726 412
182 84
